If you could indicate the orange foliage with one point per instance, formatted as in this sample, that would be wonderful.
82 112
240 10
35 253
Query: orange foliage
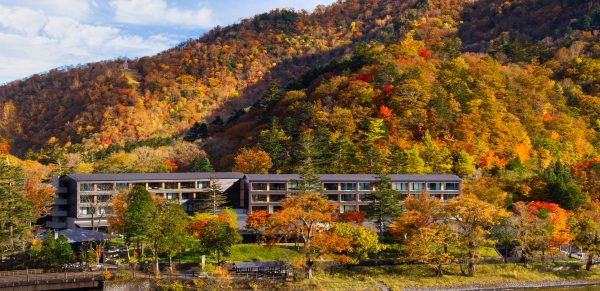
357 217
558 218
425 53
4 147
40 196
384 111
252 161
118 203
257 220
171 164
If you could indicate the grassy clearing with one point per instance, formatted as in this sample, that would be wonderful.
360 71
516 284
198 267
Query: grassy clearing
400 277
247 253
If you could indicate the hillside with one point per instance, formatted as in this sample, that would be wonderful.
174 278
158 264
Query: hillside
355 86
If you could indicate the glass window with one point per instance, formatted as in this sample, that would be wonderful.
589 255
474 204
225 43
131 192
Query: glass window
104 210
188 185
187 195
259 186
348 197
103 198
276 208
418 186
333 197
293 185
345 208
330 186
203 184
348 186
434 186
105 187
85 210
86 199
189 207
363 197
259 198
276 198
277 187
171 185
451 187
155 185
259 208
365 187
435 196
450 196
400 186
122 186
172 196
86 187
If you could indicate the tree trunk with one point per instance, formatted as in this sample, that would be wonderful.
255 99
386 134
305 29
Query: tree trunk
590 262
155 255
309 266
380 229
171 264
218 257
142 249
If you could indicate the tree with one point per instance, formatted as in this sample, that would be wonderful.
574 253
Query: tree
16 216
562 187
140 217
218 236
214 199
423 229
252 161
408 161
201 164
173 229
464 165
51 252
472 220
363 241
532 233
585 226
436 157
117 217
197 131
384 204
40 197
257 221
276 143
308 216
351 216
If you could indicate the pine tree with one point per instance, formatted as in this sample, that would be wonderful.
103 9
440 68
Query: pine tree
464 165
309 181
276 142
384 204
201 164
16 216
214 199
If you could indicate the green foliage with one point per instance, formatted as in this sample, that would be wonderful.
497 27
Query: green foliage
384 204
562 187
52 252
214 199
364 241
201 164
140 216
219 237
16 217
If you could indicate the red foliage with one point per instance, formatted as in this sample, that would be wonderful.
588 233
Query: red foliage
4 147
384 111
484 162
357 217
365 77
388 88
171 164
547 117
425 53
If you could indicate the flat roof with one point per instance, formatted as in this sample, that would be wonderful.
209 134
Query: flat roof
154 176
355 177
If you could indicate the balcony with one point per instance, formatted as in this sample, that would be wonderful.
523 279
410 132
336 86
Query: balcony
62 190
56 224
58 213
60 201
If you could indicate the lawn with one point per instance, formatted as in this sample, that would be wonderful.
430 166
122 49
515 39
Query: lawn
406 276
247 253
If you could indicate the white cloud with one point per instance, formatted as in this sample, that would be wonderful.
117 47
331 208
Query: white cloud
157 12
33 42
76 9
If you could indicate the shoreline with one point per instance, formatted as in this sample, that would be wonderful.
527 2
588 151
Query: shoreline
513 286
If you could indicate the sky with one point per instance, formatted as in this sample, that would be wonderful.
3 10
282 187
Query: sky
39 35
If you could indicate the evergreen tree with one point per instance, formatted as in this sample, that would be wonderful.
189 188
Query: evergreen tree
214 199
436 158
276 143
309 181
173 225
201 164
562 187
140 216
271 96
464 165
16 216
408 161
384 204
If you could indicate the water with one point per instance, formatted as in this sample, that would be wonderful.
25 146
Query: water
583 288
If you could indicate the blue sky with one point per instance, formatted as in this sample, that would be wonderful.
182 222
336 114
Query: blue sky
38 35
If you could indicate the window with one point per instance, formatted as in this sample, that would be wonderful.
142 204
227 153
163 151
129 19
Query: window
365 187
105 187
172 196
171 185
451 187
143 185
203 184
259 198
121 186
348 197
277 187
276 198
259 208
86 199
293 186
434 186
104 210
330 186
259 186
449 196
102 198
187 196
189 207
418 186
85 210
333 197
188 185
276 208
348 186
400 186
154 185
345 208
435 196
86 187
363 197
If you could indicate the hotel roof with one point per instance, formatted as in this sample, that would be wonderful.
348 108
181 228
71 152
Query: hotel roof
356 177
153 176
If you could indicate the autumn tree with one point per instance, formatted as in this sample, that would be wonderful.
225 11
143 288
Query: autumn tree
218 237
532 233
351 216
364 241
308 215
585 226
384 204
40 197
252 161
257 221
472 220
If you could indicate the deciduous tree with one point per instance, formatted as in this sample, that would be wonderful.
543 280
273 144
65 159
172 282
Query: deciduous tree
252 161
